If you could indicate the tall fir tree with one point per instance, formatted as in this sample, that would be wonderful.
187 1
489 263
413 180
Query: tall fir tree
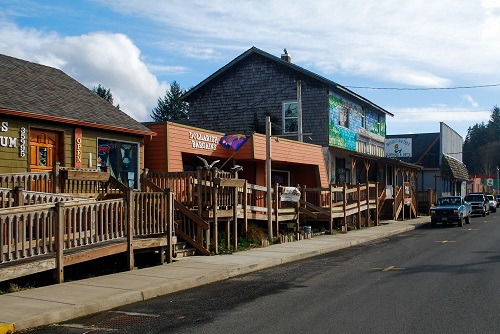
171 107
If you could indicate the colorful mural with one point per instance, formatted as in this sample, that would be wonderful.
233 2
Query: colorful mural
346 137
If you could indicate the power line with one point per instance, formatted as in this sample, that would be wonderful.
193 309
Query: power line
428 88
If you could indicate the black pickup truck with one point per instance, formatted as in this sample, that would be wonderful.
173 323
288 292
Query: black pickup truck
451 209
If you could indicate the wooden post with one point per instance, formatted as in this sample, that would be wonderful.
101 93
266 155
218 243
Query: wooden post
358 215
130 229
367 204
331 208
377 203
297 218
235 219
276 206
169 210
215 206
144 176
245 207
18 196
344 206
59 242
56 178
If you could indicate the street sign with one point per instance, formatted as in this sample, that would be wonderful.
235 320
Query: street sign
489 182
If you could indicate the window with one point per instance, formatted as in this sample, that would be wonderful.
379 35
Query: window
363 117
344 116
290 117
121 159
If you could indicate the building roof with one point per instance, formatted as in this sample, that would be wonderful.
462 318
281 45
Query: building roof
453 168
36 91
254 50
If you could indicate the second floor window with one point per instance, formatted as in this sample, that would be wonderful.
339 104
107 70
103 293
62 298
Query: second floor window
344 116
290 117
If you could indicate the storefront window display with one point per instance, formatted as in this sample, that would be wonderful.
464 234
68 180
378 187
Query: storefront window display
121 159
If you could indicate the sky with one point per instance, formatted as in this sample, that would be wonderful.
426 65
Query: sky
424 61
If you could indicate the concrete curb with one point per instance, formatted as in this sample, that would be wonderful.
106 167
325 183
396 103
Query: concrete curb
66 301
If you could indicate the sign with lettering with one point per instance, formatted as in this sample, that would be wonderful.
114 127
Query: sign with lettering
12 142
398 148
78 148
203 141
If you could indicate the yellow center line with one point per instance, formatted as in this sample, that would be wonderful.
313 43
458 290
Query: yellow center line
388 268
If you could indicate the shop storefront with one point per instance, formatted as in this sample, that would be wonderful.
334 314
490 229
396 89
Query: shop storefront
178 148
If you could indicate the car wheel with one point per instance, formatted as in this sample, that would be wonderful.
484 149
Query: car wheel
461 222
433 224
483 213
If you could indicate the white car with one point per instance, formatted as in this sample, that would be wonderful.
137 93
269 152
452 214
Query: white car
493 203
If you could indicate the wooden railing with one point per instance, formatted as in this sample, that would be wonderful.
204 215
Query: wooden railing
29 230
41 182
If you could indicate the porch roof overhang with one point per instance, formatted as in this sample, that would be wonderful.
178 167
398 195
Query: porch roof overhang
391 161
453 168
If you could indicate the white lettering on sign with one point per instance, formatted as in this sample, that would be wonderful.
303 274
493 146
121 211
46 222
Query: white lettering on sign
5 126
398 148
203 141
22 142
78 149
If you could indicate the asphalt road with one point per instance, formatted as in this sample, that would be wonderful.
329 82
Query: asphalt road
431 280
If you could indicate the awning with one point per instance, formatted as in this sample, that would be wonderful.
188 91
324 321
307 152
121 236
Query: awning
453 168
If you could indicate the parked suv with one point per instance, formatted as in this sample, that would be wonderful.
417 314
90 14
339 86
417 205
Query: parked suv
493 203
498 200
480 204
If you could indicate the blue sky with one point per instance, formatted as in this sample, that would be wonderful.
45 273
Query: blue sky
137 48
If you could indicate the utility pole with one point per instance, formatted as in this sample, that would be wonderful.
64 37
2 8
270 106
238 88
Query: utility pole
268 180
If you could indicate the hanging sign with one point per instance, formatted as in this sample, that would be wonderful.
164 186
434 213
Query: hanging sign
78 148
398 148
290 194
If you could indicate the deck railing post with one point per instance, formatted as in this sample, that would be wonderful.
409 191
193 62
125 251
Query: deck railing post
358 215
331 197
59 242
245 207
56 178
18 196
344 206
169 217
215 206
276 207
235 218
129 220
144 176
377 204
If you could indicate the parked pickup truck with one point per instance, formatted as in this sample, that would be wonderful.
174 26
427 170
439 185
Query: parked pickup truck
451 209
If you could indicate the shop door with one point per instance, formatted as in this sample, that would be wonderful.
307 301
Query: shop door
44 146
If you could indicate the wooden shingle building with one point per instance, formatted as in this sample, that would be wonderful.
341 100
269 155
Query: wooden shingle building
46 117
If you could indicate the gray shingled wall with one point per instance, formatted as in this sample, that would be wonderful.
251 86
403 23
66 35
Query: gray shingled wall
257 84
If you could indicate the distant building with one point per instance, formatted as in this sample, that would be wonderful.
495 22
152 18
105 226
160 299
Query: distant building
439 154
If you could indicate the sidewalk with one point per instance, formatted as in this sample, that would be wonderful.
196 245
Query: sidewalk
61 302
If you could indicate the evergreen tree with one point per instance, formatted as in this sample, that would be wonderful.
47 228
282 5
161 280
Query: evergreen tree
104 93
171 107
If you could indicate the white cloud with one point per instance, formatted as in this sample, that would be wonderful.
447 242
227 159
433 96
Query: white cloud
422 43
406 120
471 101
111 60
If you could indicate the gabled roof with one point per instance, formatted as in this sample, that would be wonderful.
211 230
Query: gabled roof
453 168
40 92
254 50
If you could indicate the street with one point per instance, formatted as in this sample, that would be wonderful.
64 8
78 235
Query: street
431 280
